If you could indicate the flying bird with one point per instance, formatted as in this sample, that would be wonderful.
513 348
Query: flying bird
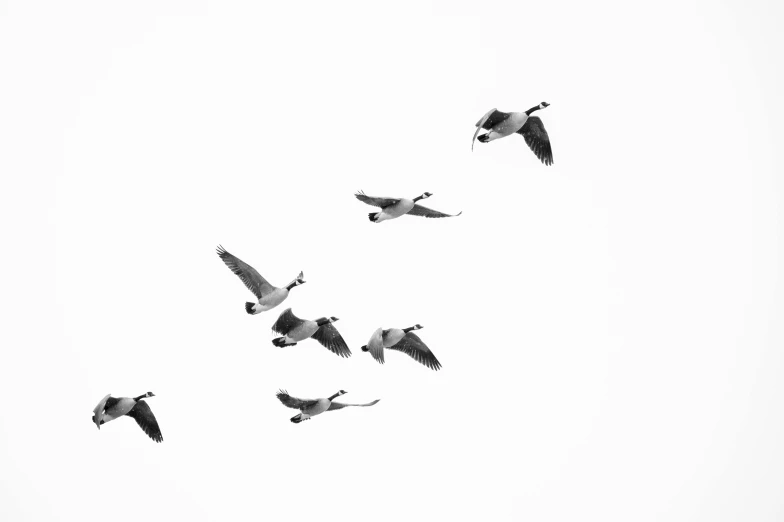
293 329
111 408
405 341
501 124
312 407
392 208
268 296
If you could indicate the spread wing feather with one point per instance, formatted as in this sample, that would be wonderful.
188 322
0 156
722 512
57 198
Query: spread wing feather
293 402
286 322
376 202
247 274
415 348
330 338
537 139
339 405
419 210
143 416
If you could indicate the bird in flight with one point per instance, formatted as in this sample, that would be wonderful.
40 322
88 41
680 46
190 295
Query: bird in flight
311 407
392 208
501 124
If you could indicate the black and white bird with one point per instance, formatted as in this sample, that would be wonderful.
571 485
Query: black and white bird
111 408
501 124
293 329
405 341
268 296
313 407
392 208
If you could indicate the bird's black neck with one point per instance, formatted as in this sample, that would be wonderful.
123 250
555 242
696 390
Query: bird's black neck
406 330
335 395
140 397
292 285
532 109
418 198
322 321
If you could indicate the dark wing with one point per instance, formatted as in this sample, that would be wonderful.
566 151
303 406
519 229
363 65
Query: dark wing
419 210
252 279
413 346
491 119
339 405
330 338
293 402
537 139
286 322
143 416
376 202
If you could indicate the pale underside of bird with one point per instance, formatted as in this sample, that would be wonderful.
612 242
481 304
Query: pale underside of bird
392 208
268 296
293 329
501 124
111 408
401 340
311 407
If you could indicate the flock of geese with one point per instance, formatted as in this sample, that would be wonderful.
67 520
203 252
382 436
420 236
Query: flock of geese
293 330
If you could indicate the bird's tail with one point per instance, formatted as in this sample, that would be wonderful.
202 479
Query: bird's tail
296 419
280 342
251 308
372 216
484 138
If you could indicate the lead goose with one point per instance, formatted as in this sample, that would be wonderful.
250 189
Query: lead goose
312 407
111 408
405 341
501 124
392 208
268 296
293 329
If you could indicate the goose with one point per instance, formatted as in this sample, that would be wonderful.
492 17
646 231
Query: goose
111 408
392 208
405 341
293 329
312 407
501 124
268 296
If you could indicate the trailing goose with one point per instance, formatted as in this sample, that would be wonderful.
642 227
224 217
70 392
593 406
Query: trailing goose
293 329
392 208
312 407
268 296
111 408
500 124
405 341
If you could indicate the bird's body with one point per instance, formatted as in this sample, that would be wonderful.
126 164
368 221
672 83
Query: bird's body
392 208
401 340
111 408
311 407
501 124
268 296
293 330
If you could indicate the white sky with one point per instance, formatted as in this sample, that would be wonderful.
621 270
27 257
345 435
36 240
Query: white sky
610 327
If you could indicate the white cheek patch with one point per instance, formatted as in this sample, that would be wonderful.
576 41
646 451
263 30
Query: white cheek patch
541 105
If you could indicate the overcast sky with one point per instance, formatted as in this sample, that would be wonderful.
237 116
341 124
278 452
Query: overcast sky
610 327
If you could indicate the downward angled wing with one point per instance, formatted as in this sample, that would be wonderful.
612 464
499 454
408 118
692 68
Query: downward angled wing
252 279
492 118
419 210
376 345
293 402
376 202
98 411
339 405
286 322
330 338
537 139
413 346
143 416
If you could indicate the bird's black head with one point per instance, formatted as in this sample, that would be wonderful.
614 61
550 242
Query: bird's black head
365 348
544 104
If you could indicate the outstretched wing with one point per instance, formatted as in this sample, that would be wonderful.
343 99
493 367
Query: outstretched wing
537 139
376 345
413 346
419 210
286 322
293 402
330 338
376 202
252 279
339 405
143 416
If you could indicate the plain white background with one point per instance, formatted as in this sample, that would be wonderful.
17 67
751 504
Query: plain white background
609 327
